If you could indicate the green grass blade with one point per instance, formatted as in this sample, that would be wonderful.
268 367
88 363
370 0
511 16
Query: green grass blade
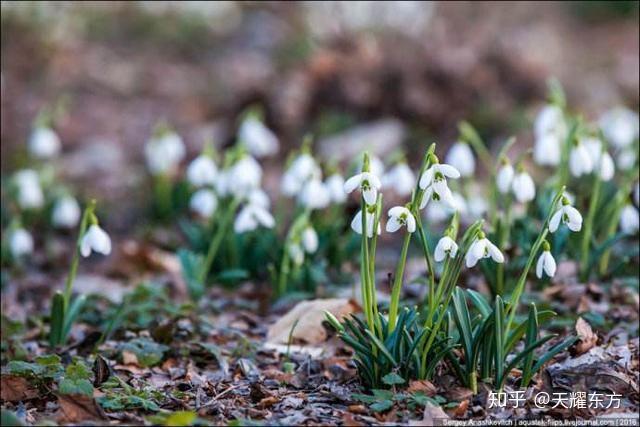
57 319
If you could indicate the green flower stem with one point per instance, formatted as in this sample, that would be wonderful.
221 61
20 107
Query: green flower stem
588 226
214 245
428 258
285 266
163 189
365 270
612 225
397 283
373 297
87 216
563 169
503 239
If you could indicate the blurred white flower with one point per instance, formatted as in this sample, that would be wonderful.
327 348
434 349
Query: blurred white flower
524 189
301 169
602 160
202 171
546 264
568 215
296 253
629 220
309 240
66 212
44 143
546 151
314 195
580 162
482 248
30 195
251 217
437 211
258 197
626 158
163 153
475 208
461 157
400 216
20 243
504 177
446 247
550 130
400 178
259 139
356 223
243 176
335 186
368 183
620 126
96 240
203 202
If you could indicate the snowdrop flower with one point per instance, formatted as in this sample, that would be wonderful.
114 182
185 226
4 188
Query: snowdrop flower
549 131
259 139
438 211
629 220
398 217
546 263
296 253
258 197
446 247
309 240
20 243
620 126
356 223
303 168
335 187
602 160
626 158
30 194
44 143
244 176
438 191
96 240
482 248
566 214
202 171
580 162
476 207
66 212
461 157
546 151
523 187
368 183
436 170
400 178
203 202
164 152
251 217
314 195
504 176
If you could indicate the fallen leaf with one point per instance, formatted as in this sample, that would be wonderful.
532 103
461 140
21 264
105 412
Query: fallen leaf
129 358
75 408
588 338
432 416
423 386
16 389
268 402
461 410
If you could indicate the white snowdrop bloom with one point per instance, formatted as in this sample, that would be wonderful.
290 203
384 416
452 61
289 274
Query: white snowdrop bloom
221 184
376 166
439 191
461 157
602 161
607 168
446 247
438 170
400 216
30 195
244 176
550 119
20 243
523 187
96 240
163 153
314 195
303 168
620 126
482 248
258 197
356 223
368 183
546 150
66 212
296 253
626 158
546 264
475 207
203 202
44 143
580 162
549 130
400 178
202 171
566 214
438 211
309 239
335 186
629 220
259 139
504 177
251 217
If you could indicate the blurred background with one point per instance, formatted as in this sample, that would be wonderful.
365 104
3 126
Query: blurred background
401 73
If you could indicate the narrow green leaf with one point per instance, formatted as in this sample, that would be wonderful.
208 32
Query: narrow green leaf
553 351
498 322
57 319
531 337
70 316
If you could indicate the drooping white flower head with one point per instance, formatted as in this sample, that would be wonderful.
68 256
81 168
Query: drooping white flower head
95 240
302 169
629 220
482 248
438 169
461 157
620 126
602 161
546 264
446 247
251 217
504 176
356 223
566 214
66 212
438 191
203 202
258 197
30 195
259 140
202 171
400 216
44 143
400 179
523 187
296 253
20 243
626 158
580 162
550 130
368 183
309 239
243 176
335 187
164 152
314 195
546 151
